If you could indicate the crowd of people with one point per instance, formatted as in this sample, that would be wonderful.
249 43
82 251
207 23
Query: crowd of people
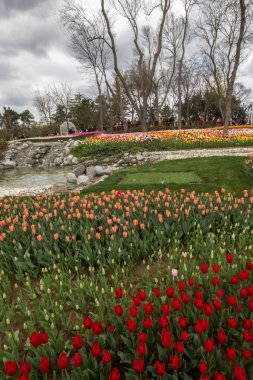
173 122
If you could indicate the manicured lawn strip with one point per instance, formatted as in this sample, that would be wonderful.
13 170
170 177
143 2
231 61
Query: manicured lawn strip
161 177
215 173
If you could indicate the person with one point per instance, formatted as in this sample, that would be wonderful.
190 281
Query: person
190 120
201 120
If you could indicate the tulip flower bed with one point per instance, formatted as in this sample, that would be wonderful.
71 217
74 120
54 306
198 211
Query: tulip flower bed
112 228
173 254
197 326
248 166
117 144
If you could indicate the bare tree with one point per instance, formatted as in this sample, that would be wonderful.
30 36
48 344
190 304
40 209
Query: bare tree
88 44
190 83
62 94
45 105
162 81
243 93
146 56
185 38
225 29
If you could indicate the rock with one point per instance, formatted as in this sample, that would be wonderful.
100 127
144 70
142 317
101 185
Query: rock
91 172
74 160
60 184
8 164
69 158
102 178
100 171
65 162
44 150
58 161
127 160
120 162
75 144
83 180
71 178
139 157
79 170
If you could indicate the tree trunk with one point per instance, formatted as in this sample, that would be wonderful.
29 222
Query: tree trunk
143 115
156 107
179 122
50 123
229 95
221 108
187 110
228 109
100 103
100 111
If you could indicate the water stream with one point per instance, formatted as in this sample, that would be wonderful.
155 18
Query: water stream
19 180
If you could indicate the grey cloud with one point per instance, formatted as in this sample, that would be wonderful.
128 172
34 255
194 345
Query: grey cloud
9 7
31 34
16 98
7 72
37 40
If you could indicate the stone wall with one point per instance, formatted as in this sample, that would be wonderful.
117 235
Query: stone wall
28 154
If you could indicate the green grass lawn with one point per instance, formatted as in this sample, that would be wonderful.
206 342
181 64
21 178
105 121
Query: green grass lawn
200 174
160 177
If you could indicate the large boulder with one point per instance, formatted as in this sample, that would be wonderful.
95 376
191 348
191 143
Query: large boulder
83 180
91 172
71 178
79 170
100 171
8 164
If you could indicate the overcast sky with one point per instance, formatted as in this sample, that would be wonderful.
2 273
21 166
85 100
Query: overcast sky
34 52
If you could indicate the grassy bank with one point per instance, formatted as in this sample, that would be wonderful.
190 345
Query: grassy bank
198 174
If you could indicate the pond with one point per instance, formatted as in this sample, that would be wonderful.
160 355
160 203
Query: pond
19 180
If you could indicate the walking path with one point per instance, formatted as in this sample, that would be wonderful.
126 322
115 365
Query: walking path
180 154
